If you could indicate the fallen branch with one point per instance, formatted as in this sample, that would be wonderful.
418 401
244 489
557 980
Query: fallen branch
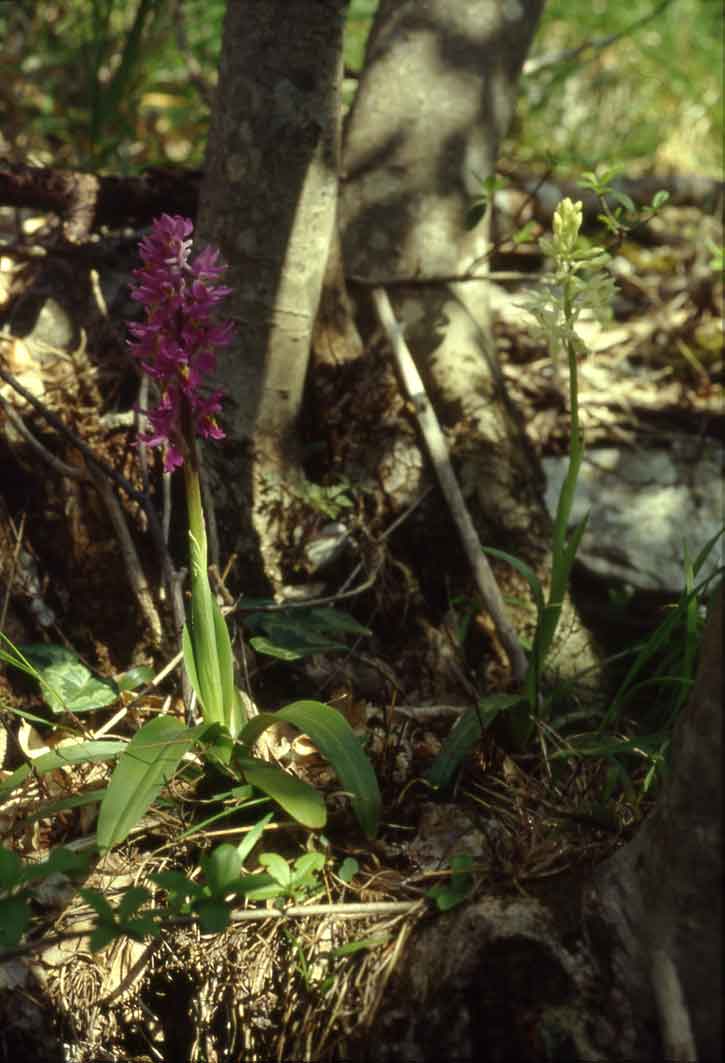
438 450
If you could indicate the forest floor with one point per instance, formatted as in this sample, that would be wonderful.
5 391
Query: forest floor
262 987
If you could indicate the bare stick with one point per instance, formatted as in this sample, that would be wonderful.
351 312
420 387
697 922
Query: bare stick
438 450
137 579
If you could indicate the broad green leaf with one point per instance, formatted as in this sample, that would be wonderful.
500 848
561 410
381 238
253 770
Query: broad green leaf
98 902
302 631
60 861
308 864
135 678
131 901
270 649
66 684
329 619
259 888
297 798
278 868
14 920
222 868
103 935
150 759
348 869
51 808
465 735
213 916
80 753
335 739
11 869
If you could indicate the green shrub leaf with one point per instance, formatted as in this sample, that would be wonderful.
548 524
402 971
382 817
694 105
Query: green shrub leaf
66 684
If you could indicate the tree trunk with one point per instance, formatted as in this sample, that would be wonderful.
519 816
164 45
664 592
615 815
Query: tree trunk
268 200
435 98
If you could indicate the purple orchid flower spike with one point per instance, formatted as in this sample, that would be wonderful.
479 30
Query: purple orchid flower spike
178 341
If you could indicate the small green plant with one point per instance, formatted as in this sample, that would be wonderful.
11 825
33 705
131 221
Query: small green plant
661 675
290 634
620 218
16 882
176 346
209 900
456 889
66 684
578 282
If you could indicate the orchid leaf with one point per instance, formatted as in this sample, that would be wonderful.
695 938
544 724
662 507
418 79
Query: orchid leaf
335 739
148 762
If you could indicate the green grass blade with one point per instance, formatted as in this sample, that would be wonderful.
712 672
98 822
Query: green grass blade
80 753
465 735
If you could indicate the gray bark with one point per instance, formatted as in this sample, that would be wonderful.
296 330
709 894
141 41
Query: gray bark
268 200
435 98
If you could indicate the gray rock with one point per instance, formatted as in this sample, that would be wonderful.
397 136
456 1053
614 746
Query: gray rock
644 506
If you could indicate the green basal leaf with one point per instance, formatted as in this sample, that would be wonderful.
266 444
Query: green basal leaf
14 920
297 798
11 869
263 645
148 762
335 739
222 868
329 619
294 633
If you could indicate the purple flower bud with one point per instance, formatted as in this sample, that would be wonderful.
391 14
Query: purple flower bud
178 341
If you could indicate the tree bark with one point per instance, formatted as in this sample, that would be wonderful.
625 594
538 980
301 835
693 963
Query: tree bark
268 201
